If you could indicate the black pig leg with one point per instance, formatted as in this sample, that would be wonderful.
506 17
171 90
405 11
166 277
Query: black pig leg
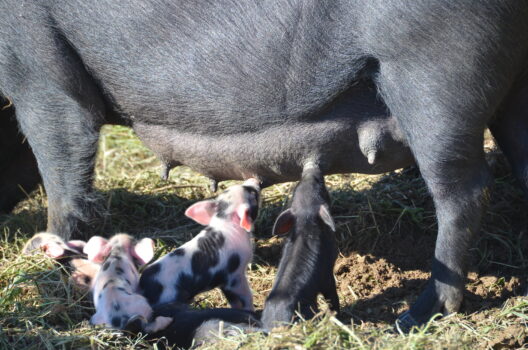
239 296
63 135
445 131
59 108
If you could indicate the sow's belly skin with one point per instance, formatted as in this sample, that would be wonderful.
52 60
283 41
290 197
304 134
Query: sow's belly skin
343 138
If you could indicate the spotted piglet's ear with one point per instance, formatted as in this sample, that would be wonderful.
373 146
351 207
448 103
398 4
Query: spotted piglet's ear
97 248
53 249
202 211
143 251
59 249
246 222
76 245
50 244
284 222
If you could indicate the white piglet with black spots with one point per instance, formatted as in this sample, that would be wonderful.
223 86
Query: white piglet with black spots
115 284
217 257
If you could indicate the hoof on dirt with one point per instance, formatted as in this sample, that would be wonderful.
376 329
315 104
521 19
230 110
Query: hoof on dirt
406 322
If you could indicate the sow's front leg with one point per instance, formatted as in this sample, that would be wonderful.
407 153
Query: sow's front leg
59 109
60 112
64 141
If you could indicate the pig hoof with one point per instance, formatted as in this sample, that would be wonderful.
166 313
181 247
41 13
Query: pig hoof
406 322
437 298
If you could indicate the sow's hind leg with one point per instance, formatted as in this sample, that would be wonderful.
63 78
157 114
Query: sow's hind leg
18 167
445 131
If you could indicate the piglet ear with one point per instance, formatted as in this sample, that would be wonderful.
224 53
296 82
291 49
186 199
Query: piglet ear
246 222
143 251
49 243
284 222
53 249
97 248
159 324
58 249
202 211
76 245
324 213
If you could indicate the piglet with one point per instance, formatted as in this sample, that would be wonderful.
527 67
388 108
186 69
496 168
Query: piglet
69 254
216 257
308 255
115 285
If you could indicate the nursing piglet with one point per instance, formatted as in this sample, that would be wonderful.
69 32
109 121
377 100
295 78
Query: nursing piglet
216 257
114 287
308 255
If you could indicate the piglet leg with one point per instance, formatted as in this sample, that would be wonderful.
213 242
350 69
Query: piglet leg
330 294
138 323
239 296
160 323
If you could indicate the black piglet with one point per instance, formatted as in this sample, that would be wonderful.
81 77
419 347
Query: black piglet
308 255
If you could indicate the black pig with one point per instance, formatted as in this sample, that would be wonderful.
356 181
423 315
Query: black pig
308 256
240 89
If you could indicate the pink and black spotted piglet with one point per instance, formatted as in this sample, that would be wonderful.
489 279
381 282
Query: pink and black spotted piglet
115 285
216 257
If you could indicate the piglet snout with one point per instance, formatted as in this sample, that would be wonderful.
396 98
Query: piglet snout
96 319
